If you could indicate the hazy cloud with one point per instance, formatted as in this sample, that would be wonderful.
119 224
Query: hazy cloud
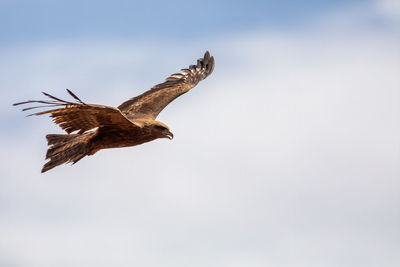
287 155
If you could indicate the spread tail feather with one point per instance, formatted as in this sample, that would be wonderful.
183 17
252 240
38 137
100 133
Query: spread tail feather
64 148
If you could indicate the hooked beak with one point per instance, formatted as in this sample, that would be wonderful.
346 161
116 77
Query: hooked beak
169 135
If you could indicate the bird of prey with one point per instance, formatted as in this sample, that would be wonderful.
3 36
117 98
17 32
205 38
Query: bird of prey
91 127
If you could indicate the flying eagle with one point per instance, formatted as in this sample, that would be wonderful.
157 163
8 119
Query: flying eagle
91 128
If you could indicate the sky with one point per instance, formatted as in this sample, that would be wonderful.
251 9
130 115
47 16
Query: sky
177 19
287 155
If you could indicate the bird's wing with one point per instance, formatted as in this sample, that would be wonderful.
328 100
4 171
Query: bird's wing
152 102
81 117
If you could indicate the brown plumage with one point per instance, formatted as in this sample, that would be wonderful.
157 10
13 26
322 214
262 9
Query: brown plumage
98 127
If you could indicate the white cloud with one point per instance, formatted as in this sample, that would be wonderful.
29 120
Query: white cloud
389 8
287 155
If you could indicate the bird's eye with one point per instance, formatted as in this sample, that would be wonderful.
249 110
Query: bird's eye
161 128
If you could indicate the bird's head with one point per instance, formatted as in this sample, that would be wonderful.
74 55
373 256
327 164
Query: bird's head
162 130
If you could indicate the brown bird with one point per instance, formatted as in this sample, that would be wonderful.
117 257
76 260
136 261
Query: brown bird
132 123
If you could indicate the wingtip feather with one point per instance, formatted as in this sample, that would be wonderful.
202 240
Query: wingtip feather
74 96
211 65
206 57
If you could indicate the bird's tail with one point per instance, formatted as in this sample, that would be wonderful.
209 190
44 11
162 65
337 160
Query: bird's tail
64 148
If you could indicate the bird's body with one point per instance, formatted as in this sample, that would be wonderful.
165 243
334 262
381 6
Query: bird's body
99 127
113 138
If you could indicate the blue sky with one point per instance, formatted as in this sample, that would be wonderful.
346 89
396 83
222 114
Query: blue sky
26 21
287 155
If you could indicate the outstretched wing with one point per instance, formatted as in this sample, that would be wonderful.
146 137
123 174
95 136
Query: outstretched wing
78 116
152 102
